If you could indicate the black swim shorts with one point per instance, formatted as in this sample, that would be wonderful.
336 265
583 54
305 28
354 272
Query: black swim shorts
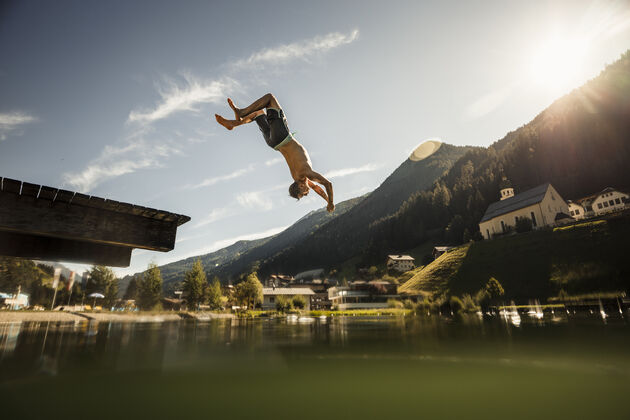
274 128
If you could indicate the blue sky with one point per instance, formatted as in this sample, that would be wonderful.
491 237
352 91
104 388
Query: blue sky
116 99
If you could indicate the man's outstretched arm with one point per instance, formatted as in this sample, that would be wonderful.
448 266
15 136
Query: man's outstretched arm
327 184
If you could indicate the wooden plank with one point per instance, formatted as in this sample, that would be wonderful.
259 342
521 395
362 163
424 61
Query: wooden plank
137 210
111 205
149 212
85 224
47 193
64 196
80 199
11 185
97 202
125 208
30 190
56 249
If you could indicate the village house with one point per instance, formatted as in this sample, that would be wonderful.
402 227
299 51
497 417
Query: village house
279 280
439 250
362 295
270 295
400 263
542 205
576 210
607 201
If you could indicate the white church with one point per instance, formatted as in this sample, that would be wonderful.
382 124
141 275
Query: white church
542 205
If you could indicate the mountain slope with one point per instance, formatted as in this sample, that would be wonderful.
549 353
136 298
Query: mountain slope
240 256
347 236
580 144
409 178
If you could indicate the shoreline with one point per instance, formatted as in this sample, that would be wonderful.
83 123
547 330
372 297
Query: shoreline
61 316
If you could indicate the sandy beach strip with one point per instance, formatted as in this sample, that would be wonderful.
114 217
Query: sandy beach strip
37 316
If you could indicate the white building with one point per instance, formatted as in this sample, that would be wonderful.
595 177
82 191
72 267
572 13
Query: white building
542 205
270 294
14 301
362 295
400 263
576 210
608 201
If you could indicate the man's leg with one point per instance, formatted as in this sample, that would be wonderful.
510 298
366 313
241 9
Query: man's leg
267 101
230 124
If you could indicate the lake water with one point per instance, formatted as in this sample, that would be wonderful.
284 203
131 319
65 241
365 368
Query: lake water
363 368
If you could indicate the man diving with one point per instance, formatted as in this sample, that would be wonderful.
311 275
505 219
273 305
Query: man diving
271 121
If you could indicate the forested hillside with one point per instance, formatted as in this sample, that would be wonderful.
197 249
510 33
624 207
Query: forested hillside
580 144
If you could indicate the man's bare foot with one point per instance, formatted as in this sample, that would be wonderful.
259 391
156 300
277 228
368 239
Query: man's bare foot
229 124
237 112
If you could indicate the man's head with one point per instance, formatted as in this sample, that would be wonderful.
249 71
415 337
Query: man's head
298 189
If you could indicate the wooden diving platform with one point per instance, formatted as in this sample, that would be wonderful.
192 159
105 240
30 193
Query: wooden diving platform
51 224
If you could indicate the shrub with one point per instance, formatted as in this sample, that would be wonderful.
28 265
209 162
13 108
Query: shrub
469 305
283 304
523 224
455 304
482 298
298 302
423 307
408 304
494 288
394 304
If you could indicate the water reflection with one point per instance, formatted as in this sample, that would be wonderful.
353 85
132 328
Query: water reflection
345 361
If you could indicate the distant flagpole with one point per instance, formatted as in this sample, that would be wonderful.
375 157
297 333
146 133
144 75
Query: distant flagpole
55 284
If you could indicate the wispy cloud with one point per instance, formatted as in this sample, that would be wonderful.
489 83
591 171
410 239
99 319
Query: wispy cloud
121 160
274 161
11 121
221 178
255 200
338 173
184 96
213 216
298 50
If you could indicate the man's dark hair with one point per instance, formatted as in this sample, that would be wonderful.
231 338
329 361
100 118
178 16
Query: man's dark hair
294 190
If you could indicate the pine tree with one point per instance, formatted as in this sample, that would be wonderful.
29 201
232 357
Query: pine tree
150 290
194 285
214 295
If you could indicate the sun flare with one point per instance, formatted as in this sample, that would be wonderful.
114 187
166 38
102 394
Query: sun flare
557 62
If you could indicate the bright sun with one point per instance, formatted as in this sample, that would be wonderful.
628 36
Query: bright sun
556 62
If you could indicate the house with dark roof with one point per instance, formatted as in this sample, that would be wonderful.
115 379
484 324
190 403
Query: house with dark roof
400 263
542 205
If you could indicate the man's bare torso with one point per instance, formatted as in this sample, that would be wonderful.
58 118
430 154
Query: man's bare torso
297 158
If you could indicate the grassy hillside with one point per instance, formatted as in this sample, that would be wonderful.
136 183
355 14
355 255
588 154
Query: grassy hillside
582 258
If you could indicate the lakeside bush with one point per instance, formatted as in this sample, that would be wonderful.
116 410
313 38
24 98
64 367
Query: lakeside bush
456 304
394 303
298 302
469 305
283 304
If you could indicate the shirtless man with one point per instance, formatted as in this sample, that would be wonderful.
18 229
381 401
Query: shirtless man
272 123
